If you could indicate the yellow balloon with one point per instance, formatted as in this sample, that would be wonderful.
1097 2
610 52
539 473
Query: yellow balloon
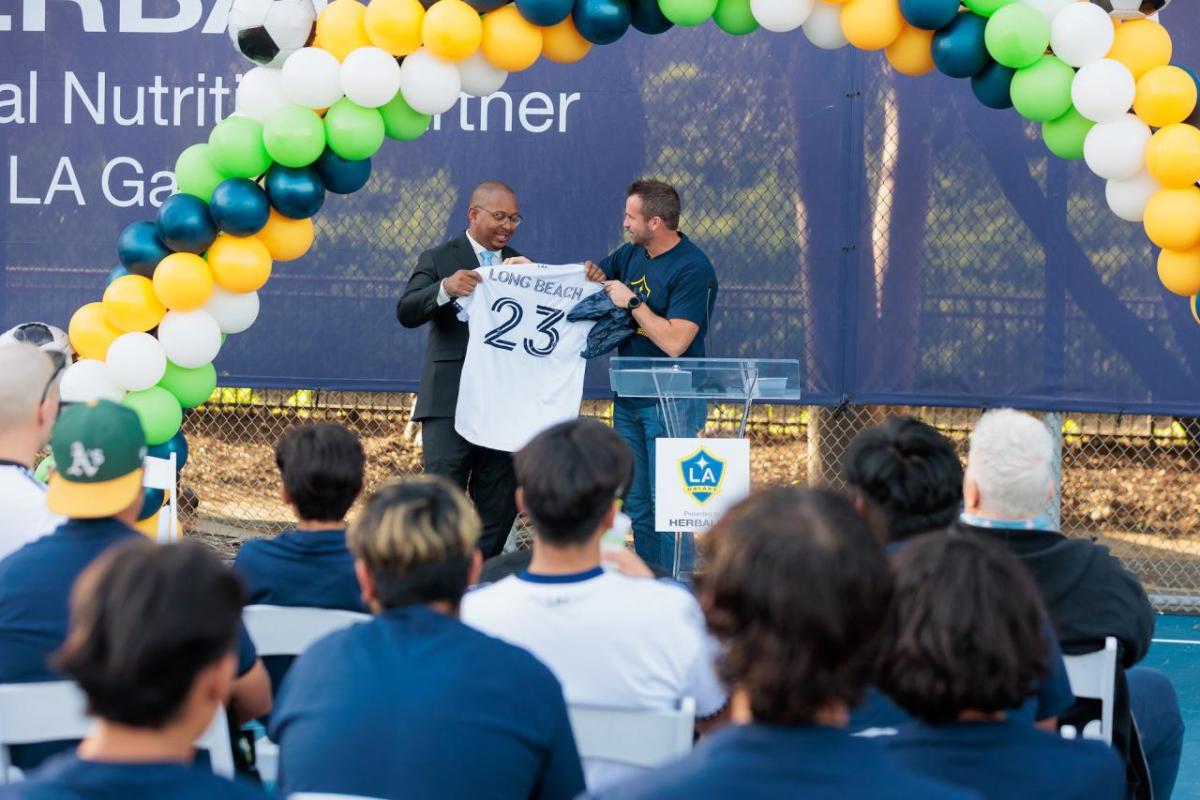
562 43
1173 156
341 29
872 24
148 527
239 263
1179 271
90 332
286 239
911 54
130 304
1173 218
1141 45
395 25
452 30
183 281
1165 95
509 41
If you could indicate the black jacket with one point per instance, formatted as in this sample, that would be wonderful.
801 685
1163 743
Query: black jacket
447 346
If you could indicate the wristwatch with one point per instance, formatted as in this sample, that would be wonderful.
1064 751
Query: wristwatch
633 303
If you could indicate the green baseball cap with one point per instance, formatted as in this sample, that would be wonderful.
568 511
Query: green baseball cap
98 448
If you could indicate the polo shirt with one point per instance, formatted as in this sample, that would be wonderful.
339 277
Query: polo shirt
1011 760
765 762
610 639
23 498
69 777
415 704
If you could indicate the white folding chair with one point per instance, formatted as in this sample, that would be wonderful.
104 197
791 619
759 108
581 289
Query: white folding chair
1093 675
635 737
160 473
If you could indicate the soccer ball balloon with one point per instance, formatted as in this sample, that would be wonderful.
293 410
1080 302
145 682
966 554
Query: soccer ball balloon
44 337
268 31
1132 9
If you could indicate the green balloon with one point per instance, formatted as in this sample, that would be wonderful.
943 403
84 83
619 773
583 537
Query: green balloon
1064 136
734 17
195 173
191 387
401 122
353 132
985 8
159 411
1042 92
236 148
1017 35
42 473
294 136
687 13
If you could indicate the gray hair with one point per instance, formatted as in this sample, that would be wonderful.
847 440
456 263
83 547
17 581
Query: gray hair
24 372
1011 460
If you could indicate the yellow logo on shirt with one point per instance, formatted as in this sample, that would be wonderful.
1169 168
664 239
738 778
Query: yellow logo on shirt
642 287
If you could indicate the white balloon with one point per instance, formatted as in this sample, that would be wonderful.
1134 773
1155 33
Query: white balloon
312 78
1049 8
233 311
480 77
1128 198
824 27
135 361
1081 33
370 77
87 380
1103 90
781 16
429 84
260 93
190 339
1116 150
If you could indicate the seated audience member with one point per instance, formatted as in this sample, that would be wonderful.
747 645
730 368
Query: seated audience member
912 474
1087 591
415 703
99 448
322 470
796 590
152 644
965 642
28 407
611 639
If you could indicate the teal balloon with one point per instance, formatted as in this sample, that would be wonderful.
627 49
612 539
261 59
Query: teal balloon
185 224
601 21
152 502
240 207
929 14
1042 91
177 445
295 193
342 176
140 249
991 85
117 272
648 18
958 49
545 12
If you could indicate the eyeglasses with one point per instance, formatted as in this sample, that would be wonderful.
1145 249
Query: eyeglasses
501 217
59 360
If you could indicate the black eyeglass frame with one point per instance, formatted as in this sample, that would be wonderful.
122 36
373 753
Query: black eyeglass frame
501 217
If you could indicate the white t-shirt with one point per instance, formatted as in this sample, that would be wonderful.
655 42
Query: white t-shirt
523 371
611 640
25 516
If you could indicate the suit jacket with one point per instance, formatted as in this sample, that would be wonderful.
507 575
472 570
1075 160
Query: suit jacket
447 345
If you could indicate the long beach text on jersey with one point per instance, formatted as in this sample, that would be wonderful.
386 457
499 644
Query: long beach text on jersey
530 281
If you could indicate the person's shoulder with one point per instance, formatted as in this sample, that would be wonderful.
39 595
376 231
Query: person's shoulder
682 780
508 659
448 247
204 783
658 595
487 597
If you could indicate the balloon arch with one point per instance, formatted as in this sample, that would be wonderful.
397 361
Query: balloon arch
332 87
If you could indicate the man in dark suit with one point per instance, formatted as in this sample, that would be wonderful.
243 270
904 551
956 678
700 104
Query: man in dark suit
442 274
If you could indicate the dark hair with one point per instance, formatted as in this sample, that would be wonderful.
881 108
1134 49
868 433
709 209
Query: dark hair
910 471
569 475
146 619
796 590
966 630
417 537
321 464
659 199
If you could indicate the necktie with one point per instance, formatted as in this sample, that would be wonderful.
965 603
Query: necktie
487 258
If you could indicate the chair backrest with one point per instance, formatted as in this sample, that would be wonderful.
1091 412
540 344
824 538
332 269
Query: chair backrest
636 737
1093 675
161 473
284 631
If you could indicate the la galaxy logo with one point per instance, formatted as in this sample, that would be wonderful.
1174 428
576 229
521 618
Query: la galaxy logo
642 287
702 474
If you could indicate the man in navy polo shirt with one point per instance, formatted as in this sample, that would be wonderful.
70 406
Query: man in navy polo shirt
670 288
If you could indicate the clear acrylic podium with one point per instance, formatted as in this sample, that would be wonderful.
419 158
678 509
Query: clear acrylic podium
721 380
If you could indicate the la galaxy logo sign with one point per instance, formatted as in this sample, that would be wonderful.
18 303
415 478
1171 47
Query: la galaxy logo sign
702 474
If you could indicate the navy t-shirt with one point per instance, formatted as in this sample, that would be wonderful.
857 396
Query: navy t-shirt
71 778
1011 760
415 704
767 762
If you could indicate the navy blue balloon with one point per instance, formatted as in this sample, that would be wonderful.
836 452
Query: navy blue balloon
958 49
482 6
152 503
648 18
184 224
929 14
296 192
601 21
140 249
177 444
342 176
117 272
1193 118
992 84
240 207
545 12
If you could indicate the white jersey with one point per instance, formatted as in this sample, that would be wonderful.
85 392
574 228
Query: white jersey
26 517
523 371
611 640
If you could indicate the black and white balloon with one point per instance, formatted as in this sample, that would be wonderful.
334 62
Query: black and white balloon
268 31
1132 9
